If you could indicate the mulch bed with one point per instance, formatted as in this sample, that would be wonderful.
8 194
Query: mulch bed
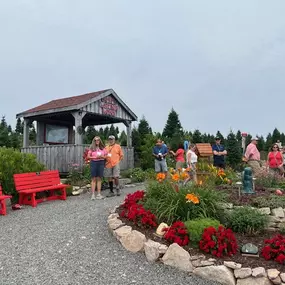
244 199
238 258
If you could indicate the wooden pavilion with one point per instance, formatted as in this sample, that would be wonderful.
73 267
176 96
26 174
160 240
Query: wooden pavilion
61 123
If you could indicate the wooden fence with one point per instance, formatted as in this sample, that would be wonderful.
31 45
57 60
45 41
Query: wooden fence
62 156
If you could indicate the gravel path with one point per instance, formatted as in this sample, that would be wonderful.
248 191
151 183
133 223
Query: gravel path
68 242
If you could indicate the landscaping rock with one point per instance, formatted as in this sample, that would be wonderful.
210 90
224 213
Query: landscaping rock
258 272
159 230
242 273
113 216
264 211
278 212
162 249
151 249
274 219
220 274
122 231
249 248
232 265
272 273
134 241
254 281
195 257
177 257
282 276
115 223
207 263
225 205
276 281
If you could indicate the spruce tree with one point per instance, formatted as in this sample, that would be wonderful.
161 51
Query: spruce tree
19 126
234 151
275 136
261 143
123 138
269 142
196 137
106 132
173 125
143 127
89 135
219 135
112 131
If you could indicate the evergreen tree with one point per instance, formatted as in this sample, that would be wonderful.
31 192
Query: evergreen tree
136 140
196 137
90 134
276 136
143 127
112 131
268 142
19 126
123 138
234 151
3 123
219 135
106 132
173 125
261 143
32 134
101 133
248 140
117 131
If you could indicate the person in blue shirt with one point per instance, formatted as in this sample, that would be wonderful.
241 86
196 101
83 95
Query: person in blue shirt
219 153
160 152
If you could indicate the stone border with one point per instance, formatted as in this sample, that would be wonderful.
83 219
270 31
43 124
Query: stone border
230 273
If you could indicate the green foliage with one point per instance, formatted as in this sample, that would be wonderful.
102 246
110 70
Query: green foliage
268 180
261 144
169 205
147 159
234 151
173 125
123 138
139 175
272 201
13 162
144 128
69 190
196 137
196 228
247 220
77 176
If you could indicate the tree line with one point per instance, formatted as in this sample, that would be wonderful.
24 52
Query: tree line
143 138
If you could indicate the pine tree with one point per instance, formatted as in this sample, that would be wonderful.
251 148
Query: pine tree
196 137
3 123
275 136
136 140
268 142
219 135
123 138
19 126
261 143
248 140
89 135
106 132
173 125
117 131
112 131
234 151
101 133
143 127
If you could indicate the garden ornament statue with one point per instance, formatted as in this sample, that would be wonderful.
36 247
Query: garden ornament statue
247 181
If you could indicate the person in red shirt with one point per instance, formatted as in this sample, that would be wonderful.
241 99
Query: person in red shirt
179 156
275 160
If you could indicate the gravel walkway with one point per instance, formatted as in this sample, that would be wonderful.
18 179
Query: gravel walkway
68 242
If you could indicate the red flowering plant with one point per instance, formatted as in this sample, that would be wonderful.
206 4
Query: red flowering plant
274 249
135 212
219 242
85 153
177 233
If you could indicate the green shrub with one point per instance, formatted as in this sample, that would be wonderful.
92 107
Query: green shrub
272 201
77 176
196 228
247 220
139 175
169 205
69 190
12 162
268 180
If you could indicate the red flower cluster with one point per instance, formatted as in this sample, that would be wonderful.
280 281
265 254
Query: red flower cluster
136 212
177 233
275 249
85 155
218 242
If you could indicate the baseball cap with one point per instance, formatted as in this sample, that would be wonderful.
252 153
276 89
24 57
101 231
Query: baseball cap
254 139
217 138
111 137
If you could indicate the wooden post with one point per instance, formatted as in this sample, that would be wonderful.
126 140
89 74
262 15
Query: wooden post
40 133
26 130
78 117
129 133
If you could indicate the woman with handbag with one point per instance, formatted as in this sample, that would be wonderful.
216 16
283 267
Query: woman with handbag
275 160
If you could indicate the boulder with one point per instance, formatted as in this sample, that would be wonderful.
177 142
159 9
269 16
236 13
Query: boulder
115 223
220 274
282 276
122 231
113 216
242 273
151 249
272 273
134 241
277 281
258 272
254 281
232 265
264 211
178 257
278 212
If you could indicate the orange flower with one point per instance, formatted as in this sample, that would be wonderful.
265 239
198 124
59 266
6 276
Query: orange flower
179 169
192 198
188 169
184 175
160 177
175 177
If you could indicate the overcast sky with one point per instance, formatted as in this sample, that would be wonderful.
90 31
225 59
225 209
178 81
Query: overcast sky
220 64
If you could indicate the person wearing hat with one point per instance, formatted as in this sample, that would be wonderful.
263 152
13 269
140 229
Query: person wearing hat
219 153
112 167
252 156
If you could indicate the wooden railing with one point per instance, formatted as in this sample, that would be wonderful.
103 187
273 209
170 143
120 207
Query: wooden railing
62 156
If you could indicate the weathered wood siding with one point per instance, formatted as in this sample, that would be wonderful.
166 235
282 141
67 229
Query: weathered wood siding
96 108
62 156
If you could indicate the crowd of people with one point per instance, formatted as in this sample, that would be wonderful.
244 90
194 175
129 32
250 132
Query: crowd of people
186 156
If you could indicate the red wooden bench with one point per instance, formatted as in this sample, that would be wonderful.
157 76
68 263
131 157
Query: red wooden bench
29 184
3 209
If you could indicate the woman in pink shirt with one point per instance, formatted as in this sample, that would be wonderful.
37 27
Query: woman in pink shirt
179 156
97 155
